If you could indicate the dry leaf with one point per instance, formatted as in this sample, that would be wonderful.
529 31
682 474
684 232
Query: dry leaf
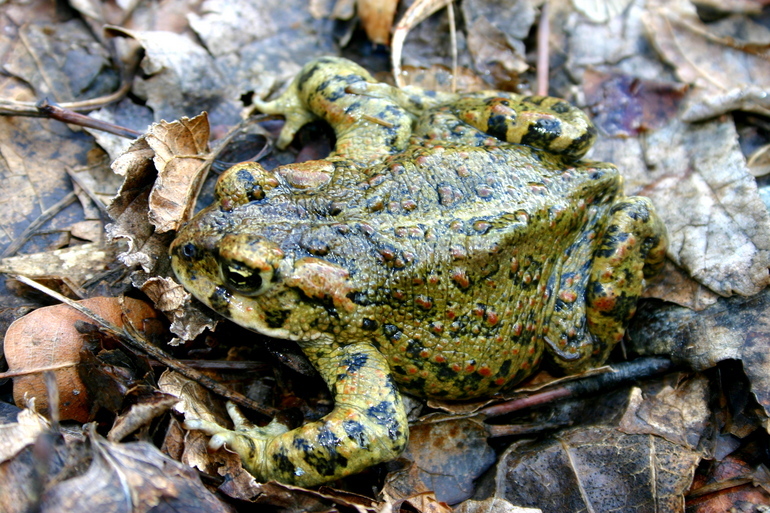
680 415
17 435
181 159
492 505
676 286
377 18
146 207
48 339
719 229
77 263
140 415
446 455
128 478
188 318
722 58
735 328
496 33
596 469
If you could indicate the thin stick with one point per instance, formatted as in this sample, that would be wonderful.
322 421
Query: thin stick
43 218
75 118
543 33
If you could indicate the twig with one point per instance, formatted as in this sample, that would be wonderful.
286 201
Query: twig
75 118
43 218
93 197
623 373
543 34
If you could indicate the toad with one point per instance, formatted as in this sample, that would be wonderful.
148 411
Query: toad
446 244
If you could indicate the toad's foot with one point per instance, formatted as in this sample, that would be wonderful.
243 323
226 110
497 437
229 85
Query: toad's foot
246 440
366 128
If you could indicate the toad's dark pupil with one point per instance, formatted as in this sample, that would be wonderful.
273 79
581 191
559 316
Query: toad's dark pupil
242 277
189 250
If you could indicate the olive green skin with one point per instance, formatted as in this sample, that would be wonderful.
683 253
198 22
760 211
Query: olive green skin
431 252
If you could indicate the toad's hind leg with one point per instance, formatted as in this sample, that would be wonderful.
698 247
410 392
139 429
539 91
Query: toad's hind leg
584 327
367 426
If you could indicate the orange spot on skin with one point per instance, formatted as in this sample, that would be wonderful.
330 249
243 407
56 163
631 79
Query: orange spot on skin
459 277
604 304
485 371
500 381
424 302
439 359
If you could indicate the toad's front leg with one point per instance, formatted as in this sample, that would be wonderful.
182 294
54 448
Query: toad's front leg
367 426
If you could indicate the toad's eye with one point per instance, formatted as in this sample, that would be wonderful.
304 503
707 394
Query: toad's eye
244 279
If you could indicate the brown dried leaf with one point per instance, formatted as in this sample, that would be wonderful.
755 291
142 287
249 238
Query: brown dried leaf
377 18
146 207
492 505
722 58
680 415
188 319
735 328
140 415
182 161
48 339
719 228
495 34
15 436
675 286
131 477
77 263
597 469
447 455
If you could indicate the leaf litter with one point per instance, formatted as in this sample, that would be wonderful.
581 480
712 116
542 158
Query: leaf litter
663 81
